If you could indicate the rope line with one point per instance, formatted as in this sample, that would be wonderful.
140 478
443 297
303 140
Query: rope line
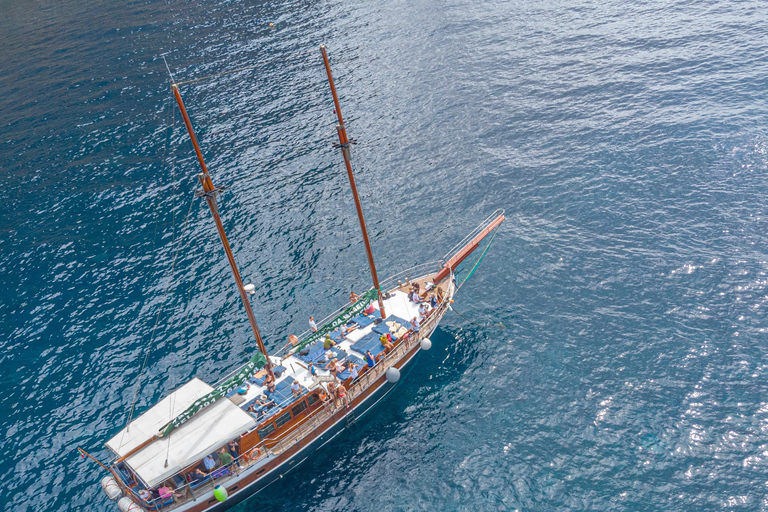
478 260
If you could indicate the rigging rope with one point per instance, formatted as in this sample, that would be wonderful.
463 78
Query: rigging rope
478 260
147 349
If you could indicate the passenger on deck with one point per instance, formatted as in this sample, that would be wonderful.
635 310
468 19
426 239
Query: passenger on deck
414 296
293 340
253 413
328 342
312 324
353 371
145 494
332 391
386 341
311 369
423 310
335 367
369 359
415 324
296 388
353 297
341 394
209 463
342 331
196 475
225 457
166 491
433 301
233 448
262 400
369 310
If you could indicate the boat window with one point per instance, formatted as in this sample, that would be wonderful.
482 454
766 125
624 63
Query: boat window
266 430
282 420
311 399
300 407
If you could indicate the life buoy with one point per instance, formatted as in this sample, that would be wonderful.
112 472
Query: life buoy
249 455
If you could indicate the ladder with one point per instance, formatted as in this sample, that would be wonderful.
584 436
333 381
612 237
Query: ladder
351 419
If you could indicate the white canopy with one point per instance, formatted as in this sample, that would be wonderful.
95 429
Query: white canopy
148 424
204 432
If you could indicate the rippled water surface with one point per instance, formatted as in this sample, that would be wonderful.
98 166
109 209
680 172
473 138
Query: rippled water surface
616 353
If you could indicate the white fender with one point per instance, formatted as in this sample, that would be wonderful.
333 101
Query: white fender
126 504
110 487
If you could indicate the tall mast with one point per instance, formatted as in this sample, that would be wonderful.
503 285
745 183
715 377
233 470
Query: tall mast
344 145
209 192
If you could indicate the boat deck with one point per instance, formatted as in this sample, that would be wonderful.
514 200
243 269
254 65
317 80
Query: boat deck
364 336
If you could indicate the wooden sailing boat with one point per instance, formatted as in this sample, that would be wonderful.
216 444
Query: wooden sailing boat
204 448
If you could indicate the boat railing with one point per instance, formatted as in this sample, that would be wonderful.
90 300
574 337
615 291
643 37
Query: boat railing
385 284
473 233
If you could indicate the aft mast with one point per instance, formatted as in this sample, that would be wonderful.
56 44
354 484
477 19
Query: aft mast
344 145
209 193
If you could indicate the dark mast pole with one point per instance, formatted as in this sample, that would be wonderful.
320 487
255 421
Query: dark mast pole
344 144
209 193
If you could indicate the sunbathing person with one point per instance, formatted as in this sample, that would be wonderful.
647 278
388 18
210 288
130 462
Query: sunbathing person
296 388
386 342
263 401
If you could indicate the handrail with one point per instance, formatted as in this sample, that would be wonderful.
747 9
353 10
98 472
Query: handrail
480 227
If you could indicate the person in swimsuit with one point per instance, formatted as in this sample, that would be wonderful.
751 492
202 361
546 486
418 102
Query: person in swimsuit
386 342
341 393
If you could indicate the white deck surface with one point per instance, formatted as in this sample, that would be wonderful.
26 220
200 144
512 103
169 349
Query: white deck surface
148 424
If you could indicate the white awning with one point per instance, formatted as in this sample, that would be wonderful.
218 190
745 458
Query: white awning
148 424
206 431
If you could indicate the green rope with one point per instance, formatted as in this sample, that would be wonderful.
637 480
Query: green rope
478 260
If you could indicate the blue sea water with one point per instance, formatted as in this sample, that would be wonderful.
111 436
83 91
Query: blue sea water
615 352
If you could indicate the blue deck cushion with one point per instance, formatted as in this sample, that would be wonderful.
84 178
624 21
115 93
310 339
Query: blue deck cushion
367 342
317 354
178 481
218 473
381 328
364 321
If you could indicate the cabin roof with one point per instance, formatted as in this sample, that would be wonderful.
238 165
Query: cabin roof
207 430
149 423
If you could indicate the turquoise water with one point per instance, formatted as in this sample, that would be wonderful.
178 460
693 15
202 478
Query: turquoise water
617 357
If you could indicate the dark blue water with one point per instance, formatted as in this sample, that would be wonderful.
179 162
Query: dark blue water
616 358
